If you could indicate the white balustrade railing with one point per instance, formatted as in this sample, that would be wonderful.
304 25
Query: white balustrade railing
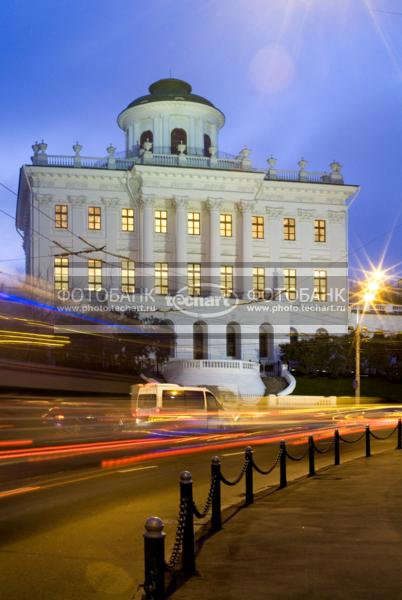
213 364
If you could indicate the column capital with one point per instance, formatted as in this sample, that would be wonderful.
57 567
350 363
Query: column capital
305 214
245 206
213 203
147 200
180 201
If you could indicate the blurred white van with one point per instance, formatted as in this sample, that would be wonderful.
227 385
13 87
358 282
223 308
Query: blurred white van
171 402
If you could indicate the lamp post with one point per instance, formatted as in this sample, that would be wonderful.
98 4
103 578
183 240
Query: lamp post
370 288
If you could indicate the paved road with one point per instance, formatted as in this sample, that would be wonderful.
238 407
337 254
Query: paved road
78 534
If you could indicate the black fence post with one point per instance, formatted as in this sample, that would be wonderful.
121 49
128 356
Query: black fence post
216 519
337 452
368 450
311 466
282 465
399 445
248 456
154 559
188 546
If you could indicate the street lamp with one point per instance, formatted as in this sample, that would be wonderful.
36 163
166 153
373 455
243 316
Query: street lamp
368 294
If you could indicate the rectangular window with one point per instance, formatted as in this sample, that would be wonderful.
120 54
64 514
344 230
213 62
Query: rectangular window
226 280
61 216
259 283
289 283
94 274
94 217
289 229
128 276
258 228
61 267
193 223
320 230
226 225
127 219
320 285
194 279
161 278
160 221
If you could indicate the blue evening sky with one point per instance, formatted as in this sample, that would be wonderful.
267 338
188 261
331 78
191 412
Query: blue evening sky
314 78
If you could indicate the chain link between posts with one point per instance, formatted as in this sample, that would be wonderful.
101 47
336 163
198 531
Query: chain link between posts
296 458
174 557
203 513
327 449
240 477
275 464
352 441
379 437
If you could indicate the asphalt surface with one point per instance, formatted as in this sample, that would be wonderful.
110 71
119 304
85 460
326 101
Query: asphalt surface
76 532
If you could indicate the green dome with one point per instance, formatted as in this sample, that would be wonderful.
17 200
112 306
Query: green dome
170 89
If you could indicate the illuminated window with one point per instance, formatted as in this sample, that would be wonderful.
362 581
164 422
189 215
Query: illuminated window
289 229
193 223
258 228
127 219
94 217
258 283
161 278
320 230
146 136
289 283
94 274
226 280
160 221
61 268
61 216
128 276
320 286
194 279
226 225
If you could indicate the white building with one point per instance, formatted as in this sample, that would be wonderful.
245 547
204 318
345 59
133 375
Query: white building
237 259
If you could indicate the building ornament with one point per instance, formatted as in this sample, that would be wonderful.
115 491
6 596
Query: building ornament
112 202
43 198
305 214
180 202
245 206
76 200
336 216
213 203
147 200
273 212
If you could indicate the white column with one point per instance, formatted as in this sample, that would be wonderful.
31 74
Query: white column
212 273
147 243
246 266
180 271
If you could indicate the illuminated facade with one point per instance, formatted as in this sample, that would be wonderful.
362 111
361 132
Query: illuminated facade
230 254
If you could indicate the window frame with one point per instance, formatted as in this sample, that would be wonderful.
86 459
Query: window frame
320 293
290 284
257 228
226 281
258 291
194 279
61 273
94 266
161 278
192 223
160 221
226 224
94 218
127 221
320 231
127 276
61 216
289 229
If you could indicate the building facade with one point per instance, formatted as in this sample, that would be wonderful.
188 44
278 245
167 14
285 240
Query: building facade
234 260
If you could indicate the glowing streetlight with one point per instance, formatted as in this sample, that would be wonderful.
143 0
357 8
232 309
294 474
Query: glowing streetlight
369 292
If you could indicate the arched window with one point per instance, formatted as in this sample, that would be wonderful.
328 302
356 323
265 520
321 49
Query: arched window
266 341
233 349
293 335
178 136
207 145
321 332
200 340
146 136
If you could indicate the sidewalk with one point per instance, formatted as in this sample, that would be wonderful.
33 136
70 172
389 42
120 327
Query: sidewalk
334 536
